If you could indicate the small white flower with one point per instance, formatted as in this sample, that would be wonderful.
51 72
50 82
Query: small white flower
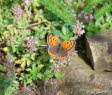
91 16
27 1
51 60
28 38
82 12
83 26
36 42
86 17
82 32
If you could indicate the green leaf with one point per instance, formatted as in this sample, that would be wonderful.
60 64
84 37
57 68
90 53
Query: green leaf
2 68
28 69
28 62
89 33
106 25
35 70
64 30
39 75
23 64
66 37
55 23
48 77
57 32
9 26
26 55
58 75
33 66
2 29
40 66
90 28
33 56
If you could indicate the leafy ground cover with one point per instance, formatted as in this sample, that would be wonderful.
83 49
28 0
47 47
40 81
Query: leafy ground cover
24 26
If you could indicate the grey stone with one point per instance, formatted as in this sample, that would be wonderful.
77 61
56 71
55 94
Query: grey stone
99 50
80 79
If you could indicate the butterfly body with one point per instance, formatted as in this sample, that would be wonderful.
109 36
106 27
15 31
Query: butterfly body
58 49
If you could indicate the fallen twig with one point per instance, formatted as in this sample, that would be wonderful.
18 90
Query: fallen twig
30 25
43 45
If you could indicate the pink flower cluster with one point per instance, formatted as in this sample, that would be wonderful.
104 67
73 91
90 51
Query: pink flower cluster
84 17
30 44
78 28
26 1
17 10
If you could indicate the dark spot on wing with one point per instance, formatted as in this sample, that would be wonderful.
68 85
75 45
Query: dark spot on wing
53 38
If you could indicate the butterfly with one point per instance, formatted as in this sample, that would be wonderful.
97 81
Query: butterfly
57 48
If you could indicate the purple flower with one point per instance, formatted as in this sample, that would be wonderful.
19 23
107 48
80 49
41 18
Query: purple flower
17 10
30 44
79 15
27 1
82 12
86 17
78 29
10 58
82 32
91 16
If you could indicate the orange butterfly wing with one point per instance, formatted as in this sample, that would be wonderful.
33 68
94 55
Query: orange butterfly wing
52 40
67 45
53 43
52 51
62 58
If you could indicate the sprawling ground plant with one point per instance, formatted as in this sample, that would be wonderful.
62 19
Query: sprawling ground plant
96 14
24 26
